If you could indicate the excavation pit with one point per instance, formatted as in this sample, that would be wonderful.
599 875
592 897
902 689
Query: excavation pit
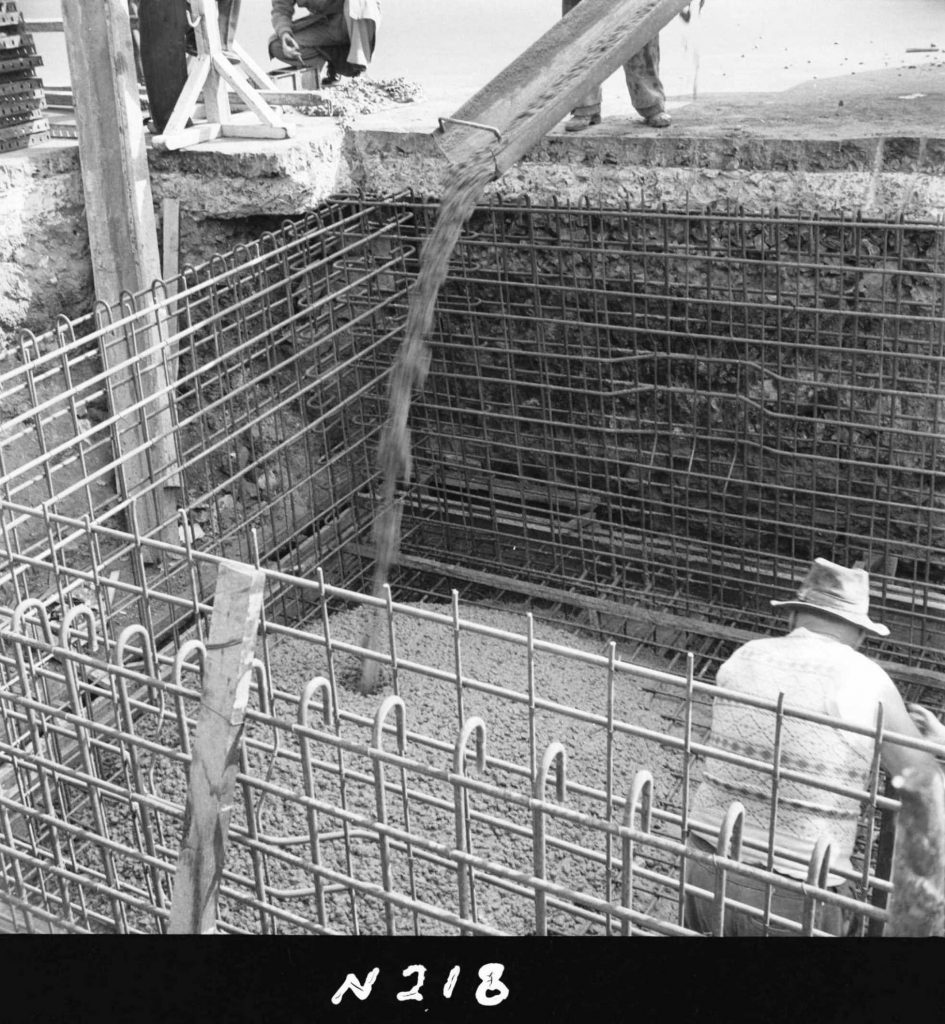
639 426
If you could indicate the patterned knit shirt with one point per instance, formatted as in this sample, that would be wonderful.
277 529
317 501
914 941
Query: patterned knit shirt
816 673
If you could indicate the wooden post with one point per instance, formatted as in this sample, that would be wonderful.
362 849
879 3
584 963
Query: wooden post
123 243
237 605
170 268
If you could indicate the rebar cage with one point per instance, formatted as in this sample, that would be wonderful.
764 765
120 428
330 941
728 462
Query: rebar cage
640 423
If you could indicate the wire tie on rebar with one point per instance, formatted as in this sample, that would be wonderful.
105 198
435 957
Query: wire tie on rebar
216 711
224 644
470 124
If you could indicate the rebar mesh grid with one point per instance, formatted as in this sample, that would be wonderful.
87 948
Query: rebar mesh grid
351 816
276 356
643 423
696 404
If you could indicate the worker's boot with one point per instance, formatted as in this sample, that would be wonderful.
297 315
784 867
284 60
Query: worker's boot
659 120
579 122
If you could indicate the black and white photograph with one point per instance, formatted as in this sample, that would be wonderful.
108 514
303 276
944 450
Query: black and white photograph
472 469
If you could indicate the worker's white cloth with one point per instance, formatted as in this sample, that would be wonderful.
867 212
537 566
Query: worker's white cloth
816 674
359 14
359 9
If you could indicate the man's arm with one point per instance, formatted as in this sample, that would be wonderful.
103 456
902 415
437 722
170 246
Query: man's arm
896 718
282 11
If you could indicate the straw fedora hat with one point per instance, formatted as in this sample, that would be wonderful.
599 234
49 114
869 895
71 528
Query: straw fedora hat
838 591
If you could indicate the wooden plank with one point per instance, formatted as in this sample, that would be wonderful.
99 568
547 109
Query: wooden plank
245 90
255 131
189 136
197 77
207 32
38 25
170 237
237 605
302 98
123 243
170 268
253 70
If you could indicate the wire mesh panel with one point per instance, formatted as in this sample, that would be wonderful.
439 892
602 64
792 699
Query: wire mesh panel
276 356
694 403
502 783
638 426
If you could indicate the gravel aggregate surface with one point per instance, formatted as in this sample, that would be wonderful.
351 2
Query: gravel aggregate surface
421 794
502 828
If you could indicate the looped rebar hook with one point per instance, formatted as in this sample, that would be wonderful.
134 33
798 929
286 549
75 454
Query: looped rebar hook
377 737
19 614
313 686
729 845
639 798
818 874
78 611
136 629
464 872
557 754
472 725
470 124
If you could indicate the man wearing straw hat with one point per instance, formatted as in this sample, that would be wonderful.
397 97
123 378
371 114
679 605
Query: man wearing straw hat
818 668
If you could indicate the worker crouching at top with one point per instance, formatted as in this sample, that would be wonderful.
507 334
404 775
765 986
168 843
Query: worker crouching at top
337 35
818 669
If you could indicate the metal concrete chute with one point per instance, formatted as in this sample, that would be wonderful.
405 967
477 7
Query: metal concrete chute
541 86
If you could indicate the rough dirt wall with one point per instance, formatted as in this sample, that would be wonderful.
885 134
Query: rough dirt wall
44 248
875 156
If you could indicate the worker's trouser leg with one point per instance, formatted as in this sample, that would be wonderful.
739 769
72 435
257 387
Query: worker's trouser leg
642 72
700 912
361 33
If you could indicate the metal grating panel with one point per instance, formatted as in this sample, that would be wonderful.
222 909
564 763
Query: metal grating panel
639 422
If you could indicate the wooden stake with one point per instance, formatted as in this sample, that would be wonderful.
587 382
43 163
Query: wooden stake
237 605
123 243
170 268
